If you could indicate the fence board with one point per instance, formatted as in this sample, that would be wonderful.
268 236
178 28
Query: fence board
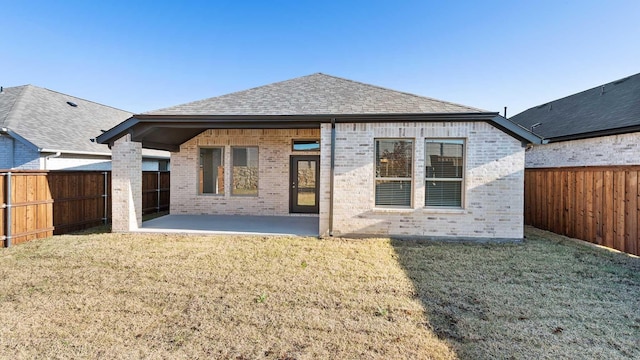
571 183
45 203
631 221
618 210
597 204
608 208
589 203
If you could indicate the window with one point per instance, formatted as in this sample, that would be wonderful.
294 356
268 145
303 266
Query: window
163 165
444 172
306 145
211 173
394 160
245 171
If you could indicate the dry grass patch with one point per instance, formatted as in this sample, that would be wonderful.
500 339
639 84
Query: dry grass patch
548 298
156 296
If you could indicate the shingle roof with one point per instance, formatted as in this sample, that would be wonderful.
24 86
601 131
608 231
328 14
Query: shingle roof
44 118
316 94
607 107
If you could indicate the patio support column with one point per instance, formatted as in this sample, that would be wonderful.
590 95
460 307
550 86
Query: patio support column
126 185
326 172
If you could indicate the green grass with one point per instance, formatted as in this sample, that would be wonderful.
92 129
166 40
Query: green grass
102 295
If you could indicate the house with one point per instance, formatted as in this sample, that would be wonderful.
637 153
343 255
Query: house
361 159
595 127
41 129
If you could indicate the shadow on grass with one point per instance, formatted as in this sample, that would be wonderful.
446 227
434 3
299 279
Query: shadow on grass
546 297
106 228
430 268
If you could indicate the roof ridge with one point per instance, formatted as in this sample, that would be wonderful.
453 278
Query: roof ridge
4 120
16 103
574 94
398 91
79 98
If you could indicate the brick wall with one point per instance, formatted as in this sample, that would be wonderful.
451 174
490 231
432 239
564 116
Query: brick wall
601 151
6 152
494 195
126 185
494 191
274 150
14 154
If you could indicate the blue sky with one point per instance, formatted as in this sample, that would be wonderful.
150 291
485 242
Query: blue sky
144 55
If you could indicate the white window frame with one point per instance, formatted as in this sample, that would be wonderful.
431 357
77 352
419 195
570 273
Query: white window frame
222 151
410 179
461 180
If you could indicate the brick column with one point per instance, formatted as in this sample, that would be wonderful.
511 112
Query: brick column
325 179
126 185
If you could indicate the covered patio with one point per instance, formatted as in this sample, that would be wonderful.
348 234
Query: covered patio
233 224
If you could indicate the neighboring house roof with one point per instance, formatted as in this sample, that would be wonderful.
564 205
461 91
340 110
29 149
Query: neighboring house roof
612 108
303 102
316 94
48 121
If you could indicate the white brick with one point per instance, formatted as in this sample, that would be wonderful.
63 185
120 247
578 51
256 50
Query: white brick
600 151
494 177
494 196
126 185
274 151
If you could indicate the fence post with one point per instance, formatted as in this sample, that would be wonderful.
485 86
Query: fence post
7 206
158 194
105 198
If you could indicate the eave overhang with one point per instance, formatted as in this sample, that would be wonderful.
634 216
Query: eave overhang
167 132
14 135
594 134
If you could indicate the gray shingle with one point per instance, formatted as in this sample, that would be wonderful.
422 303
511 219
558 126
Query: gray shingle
316 94
605 107
44 118
8 98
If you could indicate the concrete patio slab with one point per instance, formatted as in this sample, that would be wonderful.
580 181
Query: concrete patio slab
233 224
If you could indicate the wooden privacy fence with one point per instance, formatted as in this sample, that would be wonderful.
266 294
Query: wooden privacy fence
597 204
38 204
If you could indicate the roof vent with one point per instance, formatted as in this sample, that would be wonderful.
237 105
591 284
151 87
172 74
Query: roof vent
1 89
72 104
602 90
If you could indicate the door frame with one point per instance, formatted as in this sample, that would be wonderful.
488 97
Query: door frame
293 185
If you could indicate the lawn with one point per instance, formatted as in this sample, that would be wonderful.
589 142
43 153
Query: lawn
105 295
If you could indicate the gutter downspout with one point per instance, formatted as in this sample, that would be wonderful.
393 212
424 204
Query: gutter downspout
50 157
332 173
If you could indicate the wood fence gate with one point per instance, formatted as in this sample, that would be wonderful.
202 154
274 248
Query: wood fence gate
39 204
